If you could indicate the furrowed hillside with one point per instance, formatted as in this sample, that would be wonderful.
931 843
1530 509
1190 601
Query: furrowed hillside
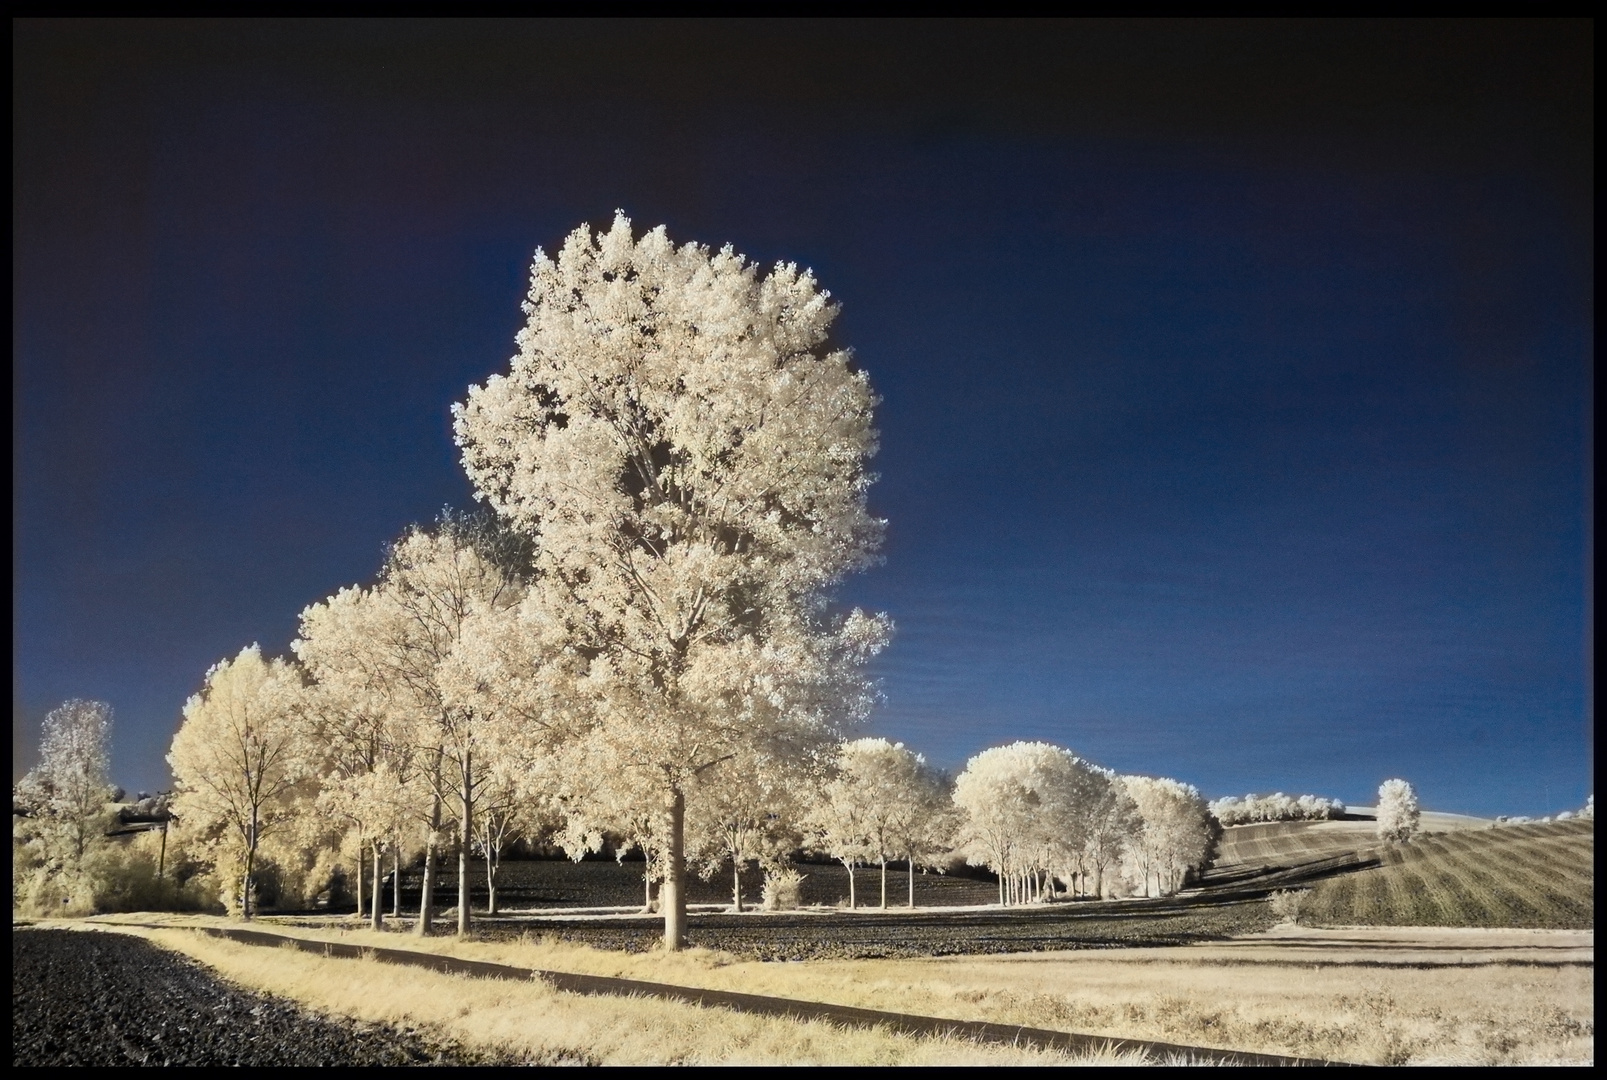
1291 843
1539 875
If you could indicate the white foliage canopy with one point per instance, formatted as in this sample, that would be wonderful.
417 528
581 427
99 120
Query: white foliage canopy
690 459
1029 809
240 754
1398 812
1174 830
67 792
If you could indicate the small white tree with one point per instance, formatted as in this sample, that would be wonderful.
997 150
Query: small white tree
837 825
925 833
594 798
239 756
1174 832
436 590
1114 825
366 767
1030 809
68 790
747 811
1398 811
882 803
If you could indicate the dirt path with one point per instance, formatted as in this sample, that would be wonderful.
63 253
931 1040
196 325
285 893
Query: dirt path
761 1005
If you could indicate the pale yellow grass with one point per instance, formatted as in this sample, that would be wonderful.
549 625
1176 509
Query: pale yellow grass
534 1022
1316 996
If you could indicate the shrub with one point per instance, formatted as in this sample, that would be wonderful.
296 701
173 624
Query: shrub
1287 904
783 890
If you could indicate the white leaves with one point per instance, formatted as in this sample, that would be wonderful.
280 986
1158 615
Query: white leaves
883 803
1027 806
1398 812
239 752
1274 807
692 465
1174 830
68 790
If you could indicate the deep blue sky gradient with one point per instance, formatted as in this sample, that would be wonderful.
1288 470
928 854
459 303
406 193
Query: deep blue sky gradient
1240 444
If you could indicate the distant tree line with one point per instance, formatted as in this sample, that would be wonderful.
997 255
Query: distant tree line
1253 809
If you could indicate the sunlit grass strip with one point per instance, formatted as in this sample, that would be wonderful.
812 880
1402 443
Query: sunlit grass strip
1483 1013
530 1019
848 1016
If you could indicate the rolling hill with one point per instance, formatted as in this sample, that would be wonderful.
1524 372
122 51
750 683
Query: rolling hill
1539 875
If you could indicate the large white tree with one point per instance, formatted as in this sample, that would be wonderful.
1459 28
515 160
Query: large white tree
688 452
239 757
1398 812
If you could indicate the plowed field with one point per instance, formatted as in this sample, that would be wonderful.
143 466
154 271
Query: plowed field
107 999
1540 875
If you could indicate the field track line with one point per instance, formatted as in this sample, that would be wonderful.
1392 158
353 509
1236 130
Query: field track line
848 1016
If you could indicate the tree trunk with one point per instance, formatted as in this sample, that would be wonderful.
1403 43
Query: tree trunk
427 887
396 882
672 895
1001 887
245 883
852 900
736 884
884 882
490 878
251 862
426 891
378 921
465 839
361 857
912 883
647 885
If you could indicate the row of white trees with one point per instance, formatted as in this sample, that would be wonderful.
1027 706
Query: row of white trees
319 751
636 642
1253 809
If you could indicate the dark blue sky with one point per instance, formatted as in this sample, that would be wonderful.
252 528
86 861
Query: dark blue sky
1237 378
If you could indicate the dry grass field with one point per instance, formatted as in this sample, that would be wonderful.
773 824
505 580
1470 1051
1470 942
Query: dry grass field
1382 996
1540 875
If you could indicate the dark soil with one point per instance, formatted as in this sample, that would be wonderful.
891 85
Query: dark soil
865 935
550 883
82 998
939 926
